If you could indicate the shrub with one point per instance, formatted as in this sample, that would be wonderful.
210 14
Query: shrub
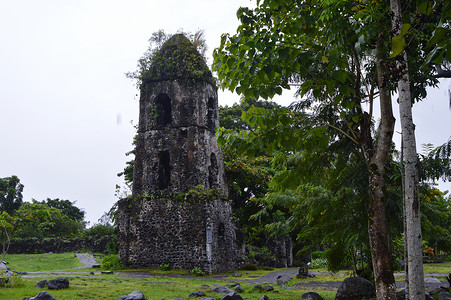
318 263
318 254
165 267
197 272
249 267
10 281
112 246
99 230
111 262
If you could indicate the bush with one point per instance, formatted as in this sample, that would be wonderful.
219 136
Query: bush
111 262
112 246
10 281
318 254
165 267
99 230
318 263
197 272
249 267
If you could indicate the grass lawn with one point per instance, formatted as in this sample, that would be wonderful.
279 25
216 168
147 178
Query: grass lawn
42 262
110 287
101 286
444 267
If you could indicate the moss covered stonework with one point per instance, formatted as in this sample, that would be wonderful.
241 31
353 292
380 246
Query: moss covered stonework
178 213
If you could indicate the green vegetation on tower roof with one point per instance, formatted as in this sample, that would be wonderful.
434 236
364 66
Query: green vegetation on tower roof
177 59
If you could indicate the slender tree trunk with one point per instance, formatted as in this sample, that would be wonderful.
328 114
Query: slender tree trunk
411 194
383 273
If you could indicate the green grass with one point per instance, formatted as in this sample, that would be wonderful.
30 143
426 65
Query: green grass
444 267
98 287
42 262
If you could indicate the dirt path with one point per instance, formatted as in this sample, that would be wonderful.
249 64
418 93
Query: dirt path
87 259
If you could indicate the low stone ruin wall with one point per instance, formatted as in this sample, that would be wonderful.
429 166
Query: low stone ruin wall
58 245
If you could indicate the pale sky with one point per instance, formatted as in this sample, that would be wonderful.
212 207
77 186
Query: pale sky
66 106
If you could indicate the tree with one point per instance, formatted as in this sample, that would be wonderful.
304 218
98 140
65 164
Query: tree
10 194
39 220
337 54
247 177
6 227
67 207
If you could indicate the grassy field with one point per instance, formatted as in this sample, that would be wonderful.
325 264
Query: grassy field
42 262
444 267
112 287
101 286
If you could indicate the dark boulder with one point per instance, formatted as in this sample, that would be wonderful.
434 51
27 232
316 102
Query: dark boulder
196 294
41 296
58 284
355 288
238 288
258 287
136 295
232 296
41 284
311 296
222 290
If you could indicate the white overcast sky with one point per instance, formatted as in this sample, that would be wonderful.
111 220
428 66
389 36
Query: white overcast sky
66 105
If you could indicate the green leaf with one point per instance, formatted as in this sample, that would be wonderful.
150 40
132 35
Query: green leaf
425 8
397 46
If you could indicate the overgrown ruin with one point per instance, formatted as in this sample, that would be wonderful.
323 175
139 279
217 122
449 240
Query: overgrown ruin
178 213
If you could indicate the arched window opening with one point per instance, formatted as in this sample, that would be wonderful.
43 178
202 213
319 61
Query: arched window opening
211 113
163 110
164 170
213 172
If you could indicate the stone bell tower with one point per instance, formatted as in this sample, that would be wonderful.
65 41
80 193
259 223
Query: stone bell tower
178 213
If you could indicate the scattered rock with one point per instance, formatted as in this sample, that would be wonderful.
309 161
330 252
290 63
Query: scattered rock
239 289
196 294
443 295
91 273
208 298
136 295
58 284
222 290
355 288
232 296
303 271
96 266
236 274
258 287
41 284
311 296
204 286
264 297
401 263
41 296
429 280
269 288
107 272
401 295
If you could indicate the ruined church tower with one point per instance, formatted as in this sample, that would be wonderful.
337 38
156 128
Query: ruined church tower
178 213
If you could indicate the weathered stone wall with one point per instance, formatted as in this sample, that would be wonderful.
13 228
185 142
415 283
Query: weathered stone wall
181 146
58 245
185 234
282 248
